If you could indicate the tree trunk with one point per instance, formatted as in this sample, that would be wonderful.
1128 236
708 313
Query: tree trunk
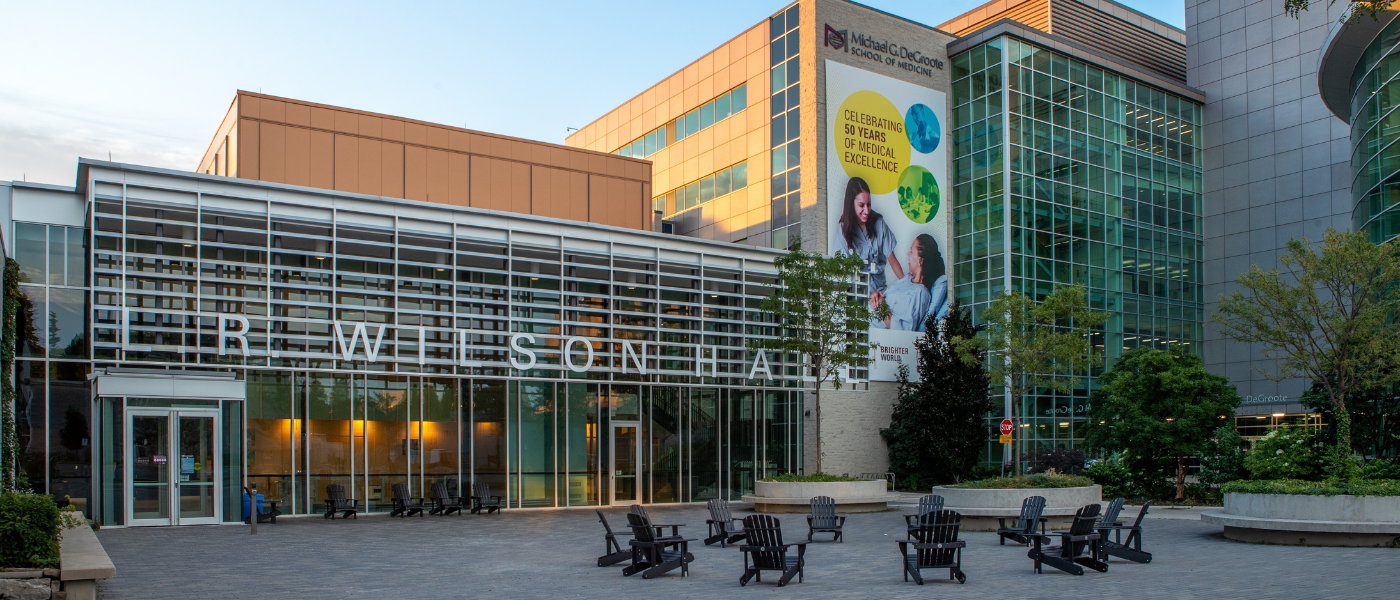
817 413
1180 477
1341 454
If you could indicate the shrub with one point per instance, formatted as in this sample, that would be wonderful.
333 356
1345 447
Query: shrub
1383 487
1222 457
813 478
1202 494
1027 482
1379 469
29 525
1286 453
1062 460
1113 476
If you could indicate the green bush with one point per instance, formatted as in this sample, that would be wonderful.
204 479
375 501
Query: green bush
1027 482
1383 487
813 478
1379 469
29 526
1222 456
1113 476
1286 453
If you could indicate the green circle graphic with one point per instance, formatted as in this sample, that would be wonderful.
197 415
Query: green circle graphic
918 194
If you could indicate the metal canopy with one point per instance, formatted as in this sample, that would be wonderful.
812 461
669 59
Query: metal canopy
163 384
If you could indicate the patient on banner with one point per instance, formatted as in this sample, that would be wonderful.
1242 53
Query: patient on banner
912 299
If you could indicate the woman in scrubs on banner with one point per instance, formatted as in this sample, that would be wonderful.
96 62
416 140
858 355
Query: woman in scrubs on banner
912 299
867 235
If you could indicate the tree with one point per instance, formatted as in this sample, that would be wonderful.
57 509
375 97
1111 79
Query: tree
1375 418
939 425
1330 317
1222 456
1358 9
1036 345
1161 405
819 316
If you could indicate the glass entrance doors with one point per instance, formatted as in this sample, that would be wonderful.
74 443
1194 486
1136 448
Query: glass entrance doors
625 458
173 466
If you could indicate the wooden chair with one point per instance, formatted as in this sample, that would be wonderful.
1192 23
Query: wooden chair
765 551
336 502
724 528
1024 531
1130 549
405 505
483 500
652 555
927 505
641 511
615 553
444 502
824 518
1079 547
936 546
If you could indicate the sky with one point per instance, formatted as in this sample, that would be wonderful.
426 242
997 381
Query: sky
149 82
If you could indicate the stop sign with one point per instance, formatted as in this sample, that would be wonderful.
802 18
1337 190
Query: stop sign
1006 426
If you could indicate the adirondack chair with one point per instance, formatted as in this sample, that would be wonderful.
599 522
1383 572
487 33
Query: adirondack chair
444 502
936 546
652 555
724 528
824 518
1079 547
405 505
482 500
1132 548
615 553
927 505
1024 531
765 551
641 511
336 502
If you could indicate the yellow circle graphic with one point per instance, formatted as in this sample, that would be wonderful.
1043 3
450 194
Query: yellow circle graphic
870 140
918 194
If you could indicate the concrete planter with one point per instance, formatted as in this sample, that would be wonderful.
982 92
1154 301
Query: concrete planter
81 562
1299 520
979 507
795 497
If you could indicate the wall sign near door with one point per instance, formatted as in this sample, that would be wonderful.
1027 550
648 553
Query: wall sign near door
158 459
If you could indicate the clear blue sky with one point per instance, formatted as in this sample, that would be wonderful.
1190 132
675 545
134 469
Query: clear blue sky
149 82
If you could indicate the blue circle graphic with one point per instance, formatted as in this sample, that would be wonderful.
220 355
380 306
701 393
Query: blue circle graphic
922 126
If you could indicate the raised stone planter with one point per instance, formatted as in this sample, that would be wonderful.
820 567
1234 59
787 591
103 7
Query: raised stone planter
1299 520
980 507
850 496
81 562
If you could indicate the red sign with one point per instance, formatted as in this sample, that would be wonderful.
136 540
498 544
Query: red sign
1006 426
160 459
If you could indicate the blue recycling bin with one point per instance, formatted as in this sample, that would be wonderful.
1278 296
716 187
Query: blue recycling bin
247 505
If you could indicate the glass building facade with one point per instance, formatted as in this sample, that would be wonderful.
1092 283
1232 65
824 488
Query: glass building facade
562 364
786 127
1375 126
1066 172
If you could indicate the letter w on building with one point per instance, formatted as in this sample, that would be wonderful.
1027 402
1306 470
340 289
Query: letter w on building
360 333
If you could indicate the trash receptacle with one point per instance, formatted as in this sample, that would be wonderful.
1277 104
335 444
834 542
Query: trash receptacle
247 505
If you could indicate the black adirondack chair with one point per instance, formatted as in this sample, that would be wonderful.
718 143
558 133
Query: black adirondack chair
929 504
1131 549
482 500
936 546
336 502
444 502
724 528
765 551
640 510
1079 547
824 518
264 516
405 505
615 553
1024 531
652 555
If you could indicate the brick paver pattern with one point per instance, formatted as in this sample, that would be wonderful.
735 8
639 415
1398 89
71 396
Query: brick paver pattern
552 554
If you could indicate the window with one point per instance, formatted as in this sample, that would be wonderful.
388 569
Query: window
726 181
691 123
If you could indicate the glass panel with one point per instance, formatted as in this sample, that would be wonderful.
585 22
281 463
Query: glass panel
328 439
388 447
67 324
112 463
150 470
741 443
30 320
664 444
31 252
625 402
439 434
704 444
583 444
56 263
624 464
77 256
536 444
70 447
196 466
270 431
31 400
739 98
489 434
231 467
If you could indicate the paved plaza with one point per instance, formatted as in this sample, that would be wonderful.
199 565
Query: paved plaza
552 553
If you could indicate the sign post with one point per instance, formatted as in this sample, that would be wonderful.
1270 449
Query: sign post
1006 429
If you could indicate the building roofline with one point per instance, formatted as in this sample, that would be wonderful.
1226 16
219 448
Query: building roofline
41 186
1091 4
1345 44
86 164
1015 28
905 19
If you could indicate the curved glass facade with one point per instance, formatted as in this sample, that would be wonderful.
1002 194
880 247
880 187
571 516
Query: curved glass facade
1375 128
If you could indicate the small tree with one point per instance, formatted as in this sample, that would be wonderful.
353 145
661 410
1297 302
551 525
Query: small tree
1375 418
1033 345
820 317
1222 456
939 425
1330 317
1160 405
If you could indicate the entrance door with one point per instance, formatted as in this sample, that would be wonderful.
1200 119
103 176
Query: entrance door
626 459
173 467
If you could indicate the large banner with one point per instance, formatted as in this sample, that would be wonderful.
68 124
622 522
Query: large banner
886 171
